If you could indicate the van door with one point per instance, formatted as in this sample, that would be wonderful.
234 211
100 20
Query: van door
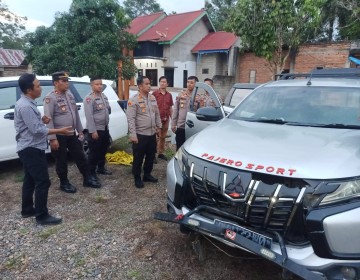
193 125
9 94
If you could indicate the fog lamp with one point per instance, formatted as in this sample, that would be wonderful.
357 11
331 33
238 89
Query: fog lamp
349 273
193 222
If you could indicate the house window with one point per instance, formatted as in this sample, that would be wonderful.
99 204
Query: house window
205 70
252 77
155 64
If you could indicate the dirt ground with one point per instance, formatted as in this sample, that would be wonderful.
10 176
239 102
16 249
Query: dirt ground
109 233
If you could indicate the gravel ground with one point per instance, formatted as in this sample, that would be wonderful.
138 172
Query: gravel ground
109 233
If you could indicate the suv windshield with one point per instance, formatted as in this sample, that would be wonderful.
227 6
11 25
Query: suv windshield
312 106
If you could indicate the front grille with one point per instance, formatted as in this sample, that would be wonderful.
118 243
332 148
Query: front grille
263 206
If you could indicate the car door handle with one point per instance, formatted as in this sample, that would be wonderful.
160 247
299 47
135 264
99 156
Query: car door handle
9 116
190 123
79 107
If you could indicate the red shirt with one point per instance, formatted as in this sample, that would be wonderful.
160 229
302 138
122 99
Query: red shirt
165 102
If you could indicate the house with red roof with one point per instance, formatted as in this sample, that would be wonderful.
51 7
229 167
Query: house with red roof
165 44
12 62
217 54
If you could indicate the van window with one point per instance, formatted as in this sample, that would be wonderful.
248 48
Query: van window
7 98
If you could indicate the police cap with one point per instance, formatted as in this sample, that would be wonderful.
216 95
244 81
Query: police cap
61 75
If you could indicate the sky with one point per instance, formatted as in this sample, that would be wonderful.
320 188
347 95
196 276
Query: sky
42 12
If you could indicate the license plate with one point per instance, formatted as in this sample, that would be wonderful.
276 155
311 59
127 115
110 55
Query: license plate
249 234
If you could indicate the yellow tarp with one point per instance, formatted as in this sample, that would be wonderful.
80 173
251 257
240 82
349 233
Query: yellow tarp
119 157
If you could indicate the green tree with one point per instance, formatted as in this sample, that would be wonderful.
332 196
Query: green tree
266 27
135 8
88 40
349 27
12 29
219 11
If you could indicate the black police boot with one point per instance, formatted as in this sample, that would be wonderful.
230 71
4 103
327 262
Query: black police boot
67 187
150 178
104 171
138 183
91 182
48 220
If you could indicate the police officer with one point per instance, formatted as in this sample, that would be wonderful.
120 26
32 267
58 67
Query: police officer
60 107
144 123
97 110
181 107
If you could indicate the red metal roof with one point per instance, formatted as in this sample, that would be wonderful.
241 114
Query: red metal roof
140 23
216 41
11 57
171 26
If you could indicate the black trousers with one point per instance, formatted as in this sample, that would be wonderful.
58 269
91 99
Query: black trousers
179 137
72 144
36 180
98 149
146 147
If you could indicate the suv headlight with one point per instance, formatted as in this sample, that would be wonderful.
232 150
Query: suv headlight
345 191
179 156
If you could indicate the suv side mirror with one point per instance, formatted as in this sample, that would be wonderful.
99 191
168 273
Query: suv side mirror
209 114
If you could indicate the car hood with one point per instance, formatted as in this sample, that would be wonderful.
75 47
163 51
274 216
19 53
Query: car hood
283 150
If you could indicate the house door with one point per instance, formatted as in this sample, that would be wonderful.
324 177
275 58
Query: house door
169 74
185 78
153 76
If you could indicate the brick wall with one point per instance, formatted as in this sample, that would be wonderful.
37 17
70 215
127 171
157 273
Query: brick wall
248 62
327 55
308 57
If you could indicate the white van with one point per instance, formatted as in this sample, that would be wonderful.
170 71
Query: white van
80 87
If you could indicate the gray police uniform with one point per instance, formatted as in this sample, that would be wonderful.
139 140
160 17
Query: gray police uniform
143 119
181 107
31 137
62 109
97 110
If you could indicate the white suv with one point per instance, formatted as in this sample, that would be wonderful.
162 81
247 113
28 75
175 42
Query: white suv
80 87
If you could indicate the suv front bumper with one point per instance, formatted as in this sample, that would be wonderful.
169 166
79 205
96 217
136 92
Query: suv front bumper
300 260
278 253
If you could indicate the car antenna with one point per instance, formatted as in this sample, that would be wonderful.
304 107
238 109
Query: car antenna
309 81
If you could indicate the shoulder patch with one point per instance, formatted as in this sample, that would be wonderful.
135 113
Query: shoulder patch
47 100
88 100
130 103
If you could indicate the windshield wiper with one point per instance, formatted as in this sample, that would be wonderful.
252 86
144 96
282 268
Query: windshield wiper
265 120
340 125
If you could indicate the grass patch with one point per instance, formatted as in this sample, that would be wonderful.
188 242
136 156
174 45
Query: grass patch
87 226
100 198
169 153
24 231
47 232
134 274
19 177
15 261
121 144
78 260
